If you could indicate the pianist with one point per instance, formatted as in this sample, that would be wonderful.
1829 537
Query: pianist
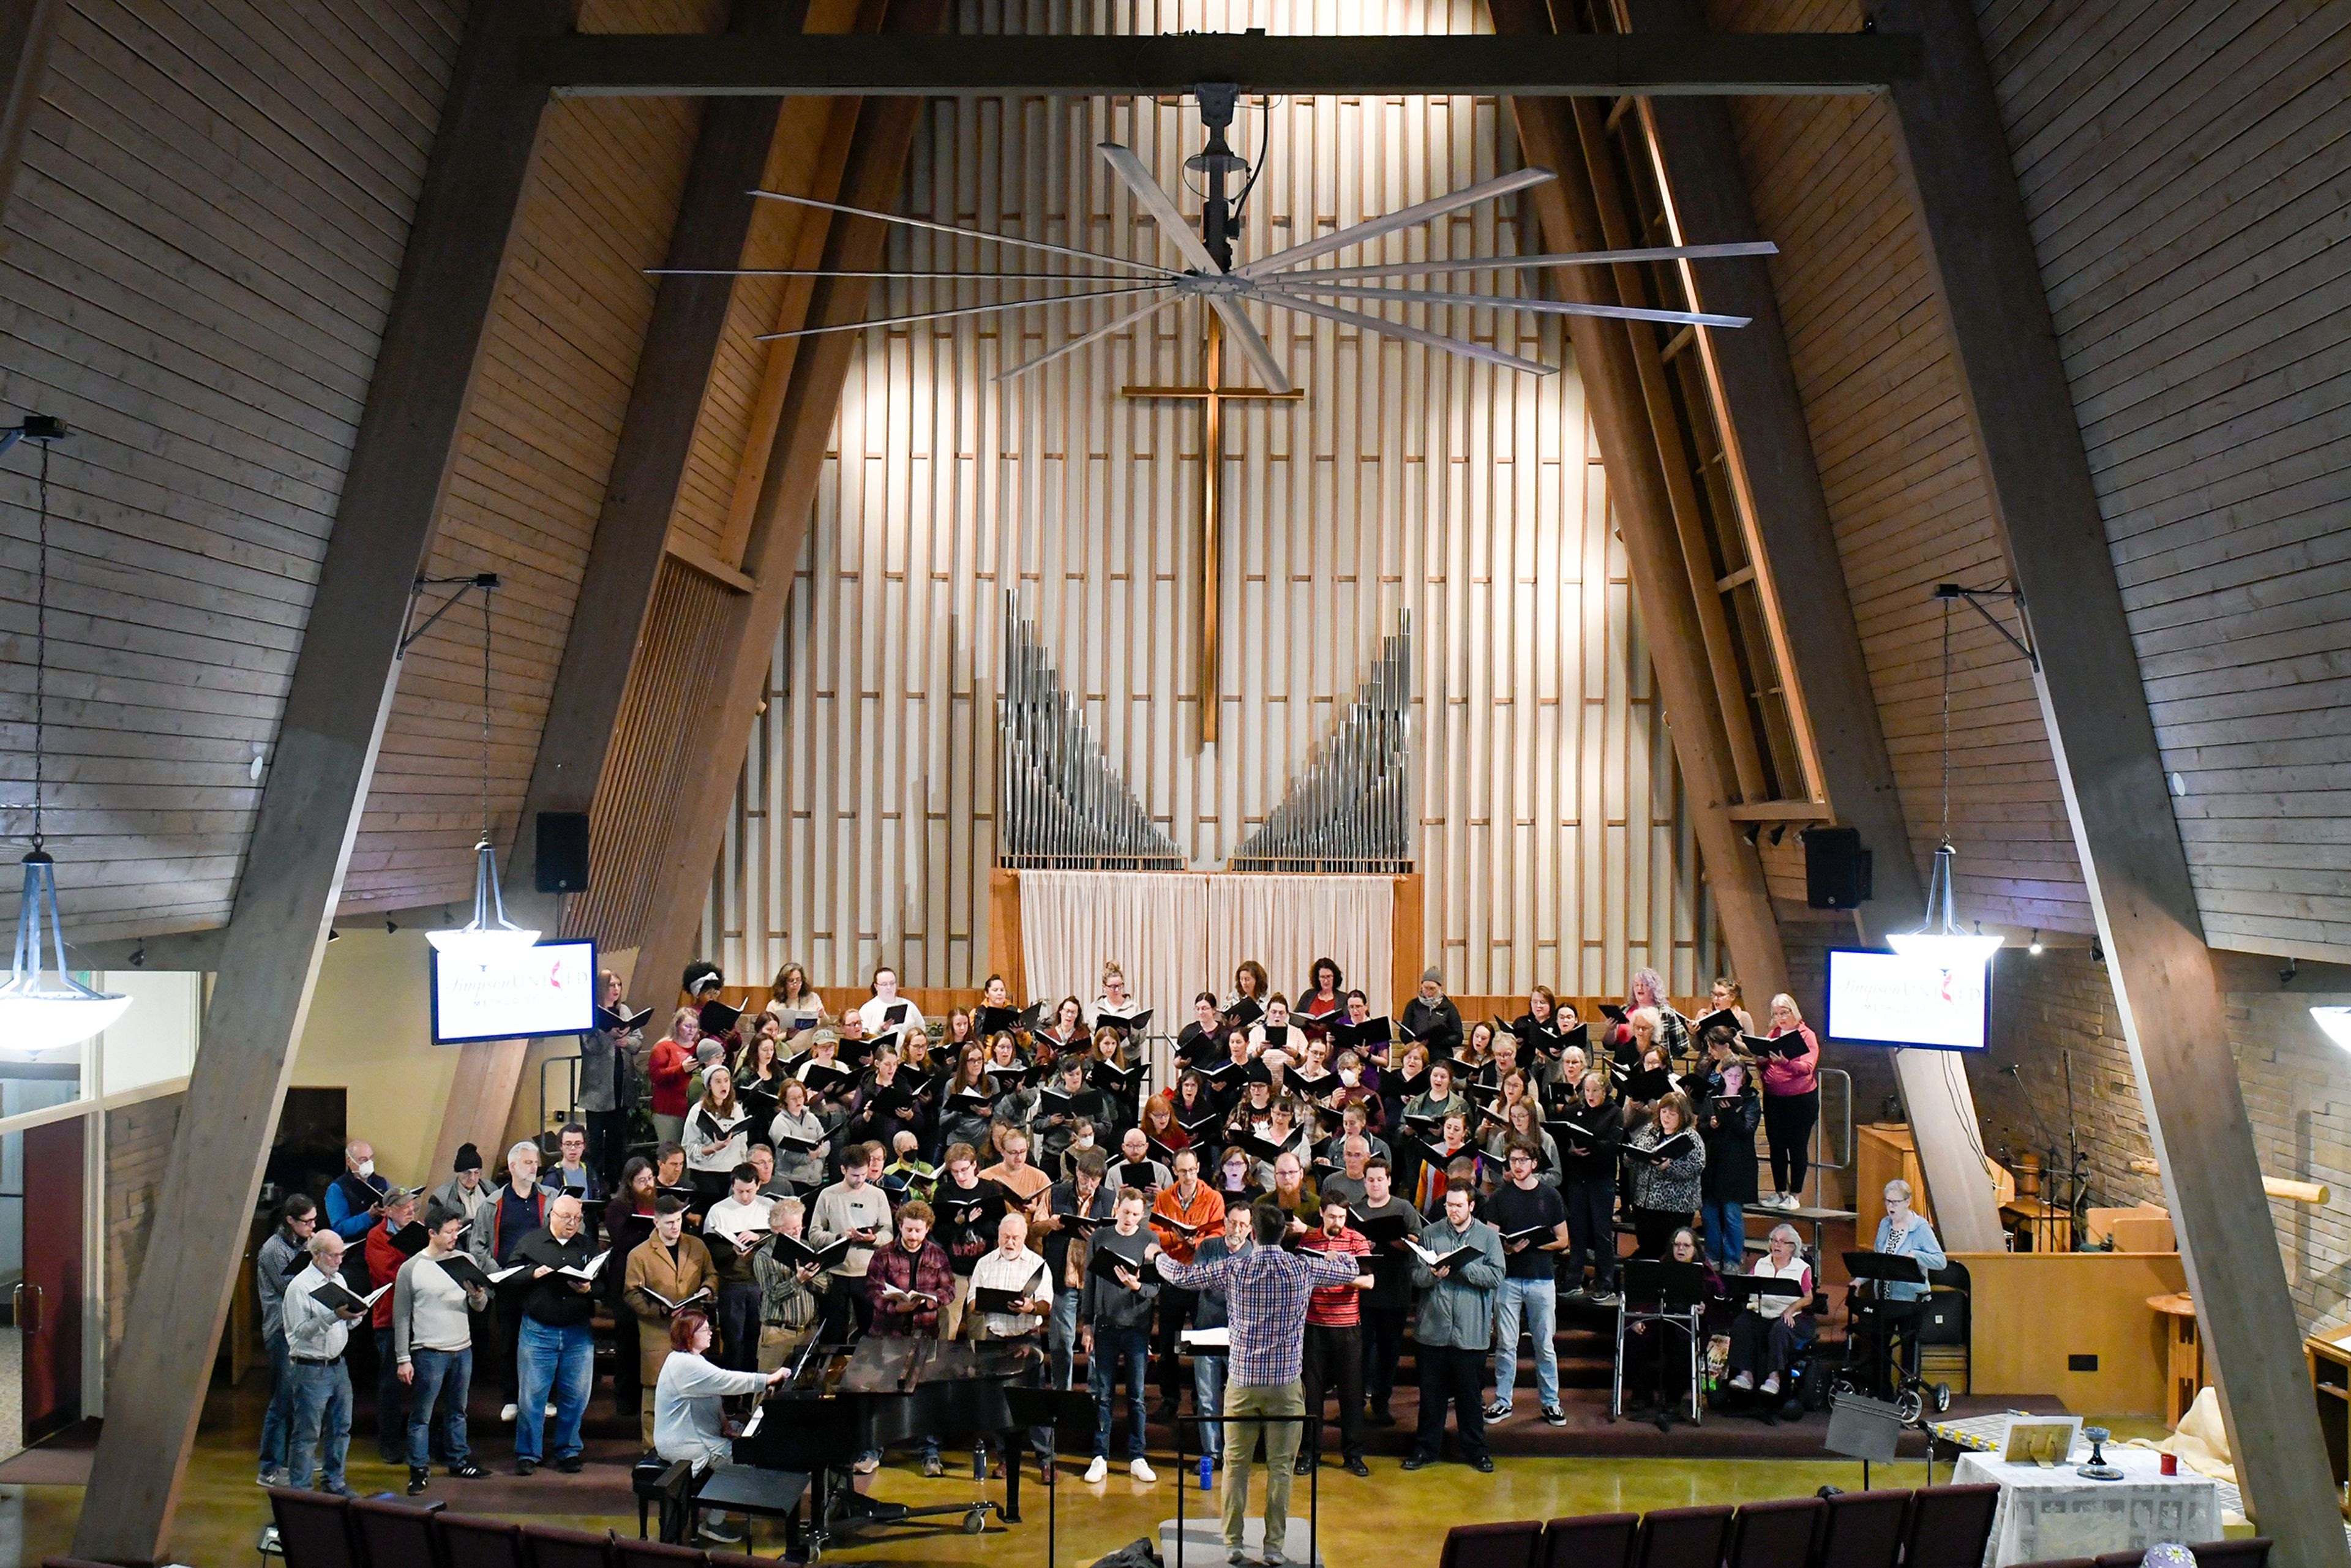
689 1422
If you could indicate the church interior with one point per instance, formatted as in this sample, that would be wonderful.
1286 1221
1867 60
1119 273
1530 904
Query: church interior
1720 625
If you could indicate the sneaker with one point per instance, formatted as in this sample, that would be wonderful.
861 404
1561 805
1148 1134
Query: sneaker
1606 1298
1554 1415
1743 1382
934 1467
419 1477
275 1478
1235 1554
1499 1410
726 1532
468 1471
569 1464
1141 1471
506 1413
336 1489
867 1462
1302 1465
1772 1383
1274 1557
1098 1472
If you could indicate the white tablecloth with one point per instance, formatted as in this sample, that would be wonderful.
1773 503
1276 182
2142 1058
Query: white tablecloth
2053 1514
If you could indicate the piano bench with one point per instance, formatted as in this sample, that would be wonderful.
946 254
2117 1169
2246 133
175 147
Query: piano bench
664 1486
749 1489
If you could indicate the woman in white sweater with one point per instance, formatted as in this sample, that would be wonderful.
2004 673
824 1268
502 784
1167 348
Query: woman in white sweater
689 1420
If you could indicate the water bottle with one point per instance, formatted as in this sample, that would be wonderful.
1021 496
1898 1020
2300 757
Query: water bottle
1207 1473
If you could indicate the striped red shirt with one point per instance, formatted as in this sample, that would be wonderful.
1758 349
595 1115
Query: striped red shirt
1335 1306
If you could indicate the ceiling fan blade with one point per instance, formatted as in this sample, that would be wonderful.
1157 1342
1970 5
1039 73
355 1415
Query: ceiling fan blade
1242 330
1287 288
826 272
1104 330
1564 258
1155 202
1403 217
1411 334
960 311
1044 245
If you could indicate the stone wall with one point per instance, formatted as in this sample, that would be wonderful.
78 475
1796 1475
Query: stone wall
137 1149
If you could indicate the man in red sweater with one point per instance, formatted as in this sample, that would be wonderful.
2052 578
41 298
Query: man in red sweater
383 1262
1334 1340
907 1283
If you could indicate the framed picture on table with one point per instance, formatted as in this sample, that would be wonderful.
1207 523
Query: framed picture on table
2044 1440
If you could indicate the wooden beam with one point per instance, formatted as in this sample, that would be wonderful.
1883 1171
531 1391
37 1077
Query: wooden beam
1644 508
1956 160
721 711
1778 484
1006 956
669 65
26 29
335 710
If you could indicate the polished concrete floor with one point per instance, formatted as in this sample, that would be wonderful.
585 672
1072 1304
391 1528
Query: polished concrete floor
1391 1518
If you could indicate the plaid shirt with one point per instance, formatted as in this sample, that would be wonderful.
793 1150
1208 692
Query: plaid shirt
1266 1290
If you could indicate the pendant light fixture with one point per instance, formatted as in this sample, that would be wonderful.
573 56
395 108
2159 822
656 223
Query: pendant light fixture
490 935
1938 937
41 1008
2336 1021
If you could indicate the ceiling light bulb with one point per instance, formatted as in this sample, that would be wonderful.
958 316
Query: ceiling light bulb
2336 1022
2033 947
43 1010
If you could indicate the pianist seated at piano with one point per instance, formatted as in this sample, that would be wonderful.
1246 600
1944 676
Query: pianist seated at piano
907 1284
689 1417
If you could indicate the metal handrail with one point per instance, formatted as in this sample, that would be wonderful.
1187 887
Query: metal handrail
571 1096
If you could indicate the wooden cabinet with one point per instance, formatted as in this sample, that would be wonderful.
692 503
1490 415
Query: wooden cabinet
2330 1385
1884 1151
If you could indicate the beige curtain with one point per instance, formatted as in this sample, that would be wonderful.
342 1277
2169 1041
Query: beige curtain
1179 933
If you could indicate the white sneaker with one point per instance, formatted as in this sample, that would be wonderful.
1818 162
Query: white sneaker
506 1413
1743 1381
1098 1471
1772 1383
1141 1471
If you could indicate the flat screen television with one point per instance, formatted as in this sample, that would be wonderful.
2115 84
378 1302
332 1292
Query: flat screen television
1887 998
549 988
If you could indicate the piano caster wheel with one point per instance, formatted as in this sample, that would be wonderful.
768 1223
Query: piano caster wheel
975 1521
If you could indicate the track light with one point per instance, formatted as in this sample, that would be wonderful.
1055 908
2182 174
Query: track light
2034 946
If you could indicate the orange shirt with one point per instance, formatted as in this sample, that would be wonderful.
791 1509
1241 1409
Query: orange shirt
1206 1211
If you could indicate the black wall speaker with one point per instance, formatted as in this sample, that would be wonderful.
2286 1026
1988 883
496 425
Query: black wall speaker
1836 869
562 851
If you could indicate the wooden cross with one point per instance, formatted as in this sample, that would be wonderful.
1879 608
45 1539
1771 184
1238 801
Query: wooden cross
1212 398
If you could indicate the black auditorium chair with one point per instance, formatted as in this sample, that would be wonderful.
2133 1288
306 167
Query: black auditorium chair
1589 1541
470 1542
1863 1529
314 1528
1777 1534
1949 1526
629 1553
1507 1545
551 1546
1682 1537
396 1534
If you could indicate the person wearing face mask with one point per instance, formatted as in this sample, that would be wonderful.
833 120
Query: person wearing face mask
557 1352
355 1199
665 1272
432 1346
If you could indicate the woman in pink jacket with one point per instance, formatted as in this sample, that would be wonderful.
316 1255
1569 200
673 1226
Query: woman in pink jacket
1791 1104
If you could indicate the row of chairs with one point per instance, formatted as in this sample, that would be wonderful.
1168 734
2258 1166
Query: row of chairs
1942 1527
2251 1552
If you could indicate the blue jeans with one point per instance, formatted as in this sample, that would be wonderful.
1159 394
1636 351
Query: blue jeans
1061 1339
1118 1350
563 1359
1208 1401
278 1420
322 1421
1535 1301
445 1375
1726 1234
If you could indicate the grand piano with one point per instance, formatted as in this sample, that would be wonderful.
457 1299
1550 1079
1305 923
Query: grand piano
882 1392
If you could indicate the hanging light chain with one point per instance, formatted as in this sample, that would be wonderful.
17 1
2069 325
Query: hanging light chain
1947 721
486 592
41 652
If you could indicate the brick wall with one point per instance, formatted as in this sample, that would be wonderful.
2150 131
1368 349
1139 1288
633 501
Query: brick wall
2294 1080
138 1148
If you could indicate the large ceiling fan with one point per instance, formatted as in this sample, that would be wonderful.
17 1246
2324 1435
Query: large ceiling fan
1281 281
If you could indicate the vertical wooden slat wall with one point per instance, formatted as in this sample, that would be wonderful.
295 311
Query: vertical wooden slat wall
1552 828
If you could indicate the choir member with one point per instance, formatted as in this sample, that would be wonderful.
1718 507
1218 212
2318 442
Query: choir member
1664 1186
1590 1130
1071 1209
1196 1207
1791 1104
800 1137
1333 1360
794 1001
1197 1113
1523 1120
1114 1327
1672 1028
908 1284
1657 1355
855 1207
607 1088
1202 1040
1275 1033
716 1138
968 1101
1454 1330
1068 1031
1387 1306
875 1013
1249 985
1322 999
1115 1001
669 1069
1235 1182
433 1345
1431 1016
1766 1338
1158 1124
1728 1110
660 1275
788 1304
968 1206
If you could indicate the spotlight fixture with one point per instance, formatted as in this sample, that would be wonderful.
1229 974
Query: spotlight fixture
40 1010
2286 975
2098 951
2033 947
1778 832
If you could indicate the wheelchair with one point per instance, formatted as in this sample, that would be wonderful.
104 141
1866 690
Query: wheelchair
1871 1359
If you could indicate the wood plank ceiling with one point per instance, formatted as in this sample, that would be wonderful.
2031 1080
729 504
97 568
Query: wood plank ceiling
215 198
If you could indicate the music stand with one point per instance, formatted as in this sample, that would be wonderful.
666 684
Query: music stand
1877 1270
1680 1291
1069 1412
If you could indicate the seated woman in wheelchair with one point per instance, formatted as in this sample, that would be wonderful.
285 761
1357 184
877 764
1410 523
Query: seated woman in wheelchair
1888 1321
1773 1330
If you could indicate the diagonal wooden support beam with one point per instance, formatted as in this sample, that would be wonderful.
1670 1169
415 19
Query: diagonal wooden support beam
1956 159
1779 483
26 29
718 710
333 723
1637 488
